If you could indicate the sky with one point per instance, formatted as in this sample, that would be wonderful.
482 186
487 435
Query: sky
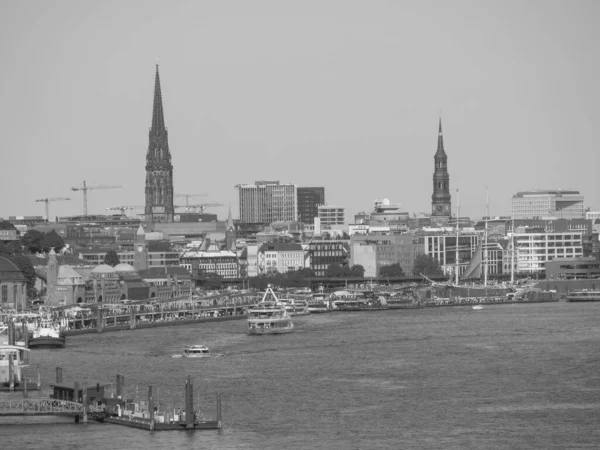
343 94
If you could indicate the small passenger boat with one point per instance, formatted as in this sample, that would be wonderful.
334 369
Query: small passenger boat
198 351
584 296
477 307
12 360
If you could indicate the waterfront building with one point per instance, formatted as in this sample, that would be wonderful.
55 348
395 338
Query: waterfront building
533 247
331 215
440 243
388 249
592 215
280 257
539 204
323 253
223 263
441 207
266 202
159 170
13 286
309 199
572 268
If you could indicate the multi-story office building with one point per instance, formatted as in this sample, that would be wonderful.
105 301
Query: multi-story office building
279 257
572 268
95 256
323 253
560 204
309 199
592 215
441 245
267 202
332 215
388 249
223 263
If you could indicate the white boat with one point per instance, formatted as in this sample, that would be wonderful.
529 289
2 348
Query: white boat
198 351
269 316
477 307
47 334
296 306
19 361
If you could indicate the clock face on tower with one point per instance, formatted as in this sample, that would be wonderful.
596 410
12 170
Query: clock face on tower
140 249
439 207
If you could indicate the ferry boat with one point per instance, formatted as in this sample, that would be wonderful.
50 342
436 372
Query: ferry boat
296 306
269 316
584 296
318 305
198 351
19 361
47 334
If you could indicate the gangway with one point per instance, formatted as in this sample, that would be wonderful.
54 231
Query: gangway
48 407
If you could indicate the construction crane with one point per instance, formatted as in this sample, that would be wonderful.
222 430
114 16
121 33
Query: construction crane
188 196
200 207
124 208
47 202
85 188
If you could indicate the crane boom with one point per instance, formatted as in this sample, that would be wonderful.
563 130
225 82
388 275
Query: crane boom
47 201
188 196
85 188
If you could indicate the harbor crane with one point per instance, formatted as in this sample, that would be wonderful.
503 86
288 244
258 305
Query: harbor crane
85 188
47 202
200 207
124 208
188 196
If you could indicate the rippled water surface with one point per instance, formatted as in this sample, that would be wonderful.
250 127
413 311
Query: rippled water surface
508 376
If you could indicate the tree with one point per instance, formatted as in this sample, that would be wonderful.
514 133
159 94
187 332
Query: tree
111 258
52 240
32 241
393 270
6 225
26 267
426 265
357 271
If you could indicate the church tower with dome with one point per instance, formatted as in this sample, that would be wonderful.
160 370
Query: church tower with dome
441 206
159 170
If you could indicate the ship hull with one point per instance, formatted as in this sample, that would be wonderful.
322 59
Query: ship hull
47 342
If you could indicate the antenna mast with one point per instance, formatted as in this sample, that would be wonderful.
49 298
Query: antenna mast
457 219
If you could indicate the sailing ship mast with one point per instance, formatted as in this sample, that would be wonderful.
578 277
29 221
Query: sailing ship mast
457 218
485 248
512 246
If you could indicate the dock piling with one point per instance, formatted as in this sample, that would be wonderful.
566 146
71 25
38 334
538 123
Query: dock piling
11 333
24 387
120 382
25 334
39 378
84 401
76 397
189 403
59 375
151 407
219 422
11 373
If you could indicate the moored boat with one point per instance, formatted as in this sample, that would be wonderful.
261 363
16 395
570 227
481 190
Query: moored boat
269 316
584 296
12 360
47 334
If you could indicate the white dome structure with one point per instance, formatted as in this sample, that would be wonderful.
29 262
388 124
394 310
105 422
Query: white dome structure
124 267
103 268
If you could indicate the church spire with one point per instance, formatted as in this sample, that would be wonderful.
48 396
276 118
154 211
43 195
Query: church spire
229 220
158 119
440 147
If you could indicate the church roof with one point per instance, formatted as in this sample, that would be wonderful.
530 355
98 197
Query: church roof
67 276
140 231
9 270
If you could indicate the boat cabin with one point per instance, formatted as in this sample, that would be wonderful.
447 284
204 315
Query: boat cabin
72 393
196 350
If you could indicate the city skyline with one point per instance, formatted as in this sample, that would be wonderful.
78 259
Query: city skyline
352 106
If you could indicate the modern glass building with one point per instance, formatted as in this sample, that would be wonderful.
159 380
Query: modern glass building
561 204
309 199
267 202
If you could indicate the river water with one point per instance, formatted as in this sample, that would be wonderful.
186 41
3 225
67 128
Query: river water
511 376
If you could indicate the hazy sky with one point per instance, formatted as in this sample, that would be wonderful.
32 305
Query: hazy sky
342 94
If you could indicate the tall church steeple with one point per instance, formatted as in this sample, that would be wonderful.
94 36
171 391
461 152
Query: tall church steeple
441 199
159 170
230 235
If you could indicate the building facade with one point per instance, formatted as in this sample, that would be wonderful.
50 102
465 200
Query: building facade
267 202
323 253
331 215
572 268
442 246
223 263
279 257
389 249
560 204
309 199
441 206
13 286
159 170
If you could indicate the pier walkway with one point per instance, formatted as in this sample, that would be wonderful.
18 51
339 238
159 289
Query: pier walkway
47 407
